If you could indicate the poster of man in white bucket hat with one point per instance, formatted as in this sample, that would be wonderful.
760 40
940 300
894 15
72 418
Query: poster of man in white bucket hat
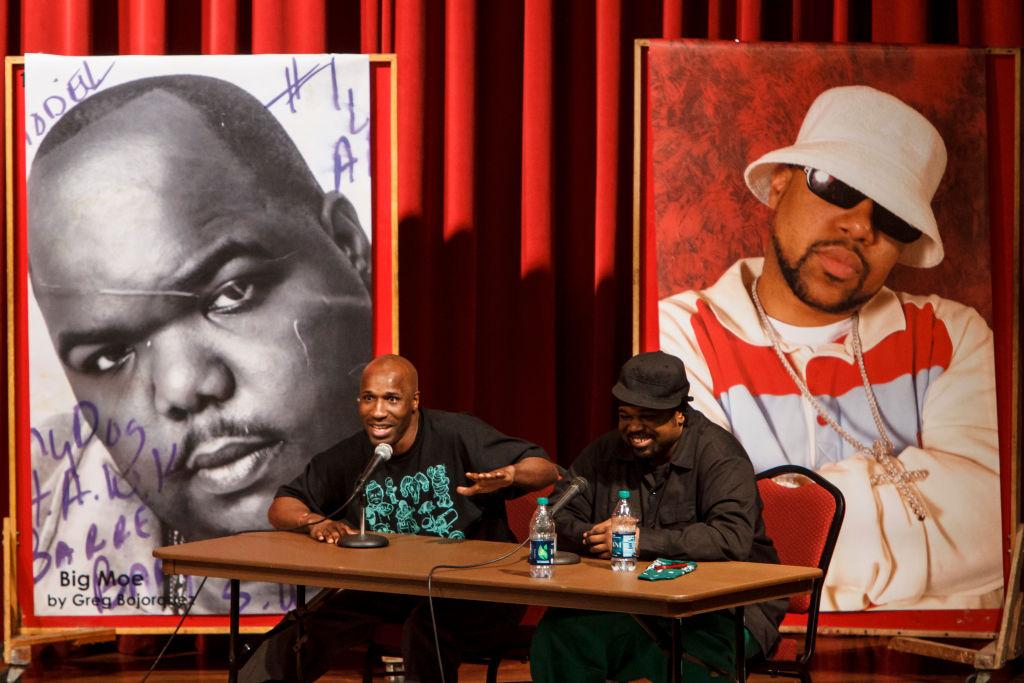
809 358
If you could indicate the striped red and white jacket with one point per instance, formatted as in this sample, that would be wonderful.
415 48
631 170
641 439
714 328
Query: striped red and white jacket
930 364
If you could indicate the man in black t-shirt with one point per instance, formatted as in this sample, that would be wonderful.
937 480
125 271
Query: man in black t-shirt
417 491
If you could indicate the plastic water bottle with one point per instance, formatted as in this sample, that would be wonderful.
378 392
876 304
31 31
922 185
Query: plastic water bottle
623 535
542 541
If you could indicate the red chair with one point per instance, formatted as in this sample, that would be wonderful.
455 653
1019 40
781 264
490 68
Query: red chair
803 513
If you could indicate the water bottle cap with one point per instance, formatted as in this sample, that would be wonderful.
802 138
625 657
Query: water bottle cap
542 501
623 494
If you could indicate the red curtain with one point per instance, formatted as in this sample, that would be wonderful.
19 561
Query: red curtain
515 158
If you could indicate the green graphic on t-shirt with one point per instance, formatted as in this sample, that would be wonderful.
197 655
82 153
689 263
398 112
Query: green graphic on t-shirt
420 502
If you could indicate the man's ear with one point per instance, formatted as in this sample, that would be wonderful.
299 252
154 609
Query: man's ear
782 175
416 401
339 219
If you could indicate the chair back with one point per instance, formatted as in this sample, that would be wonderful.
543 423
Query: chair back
803 513
520 511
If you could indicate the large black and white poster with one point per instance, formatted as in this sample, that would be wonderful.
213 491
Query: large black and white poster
199 307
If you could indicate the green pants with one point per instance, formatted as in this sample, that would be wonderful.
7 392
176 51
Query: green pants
572 646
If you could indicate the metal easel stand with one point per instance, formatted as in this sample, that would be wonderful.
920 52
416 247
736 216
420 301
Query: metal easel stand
994 655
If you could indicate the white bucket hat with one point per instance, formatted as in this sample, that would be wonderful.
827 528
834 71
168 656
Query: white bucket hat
874 143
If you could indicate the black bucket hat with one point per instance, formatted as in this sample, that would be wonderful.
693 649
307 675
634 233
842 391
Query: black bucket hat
653 379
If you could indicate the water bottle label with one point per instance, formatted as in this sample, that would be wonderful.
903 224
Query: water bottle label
624 544
541 551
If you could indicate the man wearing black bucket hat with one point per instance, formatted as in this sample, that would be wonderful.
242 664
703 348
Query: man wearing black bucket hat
695 498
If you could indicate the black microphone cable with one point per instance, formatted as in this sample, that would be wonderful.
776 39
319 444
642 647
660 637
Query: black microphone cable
329 516
236 533
176 628
203 582
430 596
578 483
338 510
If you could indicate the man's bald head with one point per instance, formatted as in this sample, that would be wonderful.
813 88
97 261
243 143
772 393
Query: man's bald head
239 120
137 165
393 363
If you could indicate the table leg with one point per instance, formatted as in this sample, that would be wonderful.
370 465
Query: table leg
741 650
675 660
233 637
300 635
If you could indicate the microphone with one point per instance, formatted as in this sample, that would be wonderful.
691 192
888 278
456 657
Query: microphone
382 453
576 486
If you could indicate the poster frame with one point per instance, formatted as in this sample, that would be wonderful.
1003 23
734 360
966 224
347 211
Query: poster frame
944 623
23 629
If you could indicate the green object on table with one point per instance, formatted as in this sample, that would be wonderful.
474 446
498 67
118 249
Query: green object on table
662 569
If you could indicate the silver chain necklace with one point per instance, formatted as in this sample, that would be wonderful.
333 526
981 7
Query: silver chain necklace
882 449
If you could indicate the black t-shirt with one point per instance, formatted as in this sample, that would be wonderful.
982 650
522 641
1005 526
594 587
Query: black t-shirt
414 493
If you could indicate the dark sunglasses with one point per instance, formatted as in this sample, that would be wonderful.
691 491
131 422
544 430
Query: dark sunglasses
836 192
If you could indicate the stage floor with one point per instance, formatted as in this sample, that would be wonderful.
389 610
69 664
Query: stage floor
195 660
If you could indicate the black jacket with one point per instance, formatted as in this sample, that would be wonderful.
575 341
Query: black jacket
703 505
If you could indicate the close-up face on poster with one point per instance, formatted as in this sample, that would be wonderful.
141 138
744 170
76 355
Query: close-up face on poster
761 159
199 308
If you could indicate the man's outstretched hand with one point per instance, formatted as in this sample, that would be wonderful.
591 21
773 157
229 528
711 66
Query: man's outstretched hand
487 482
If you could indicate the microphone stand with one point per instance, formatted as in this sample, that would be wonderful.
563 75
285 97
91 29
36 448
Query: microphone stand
363 539
565 557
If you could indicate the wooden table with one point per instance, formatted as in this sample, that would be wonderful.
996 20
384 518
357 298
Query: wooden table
402 567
